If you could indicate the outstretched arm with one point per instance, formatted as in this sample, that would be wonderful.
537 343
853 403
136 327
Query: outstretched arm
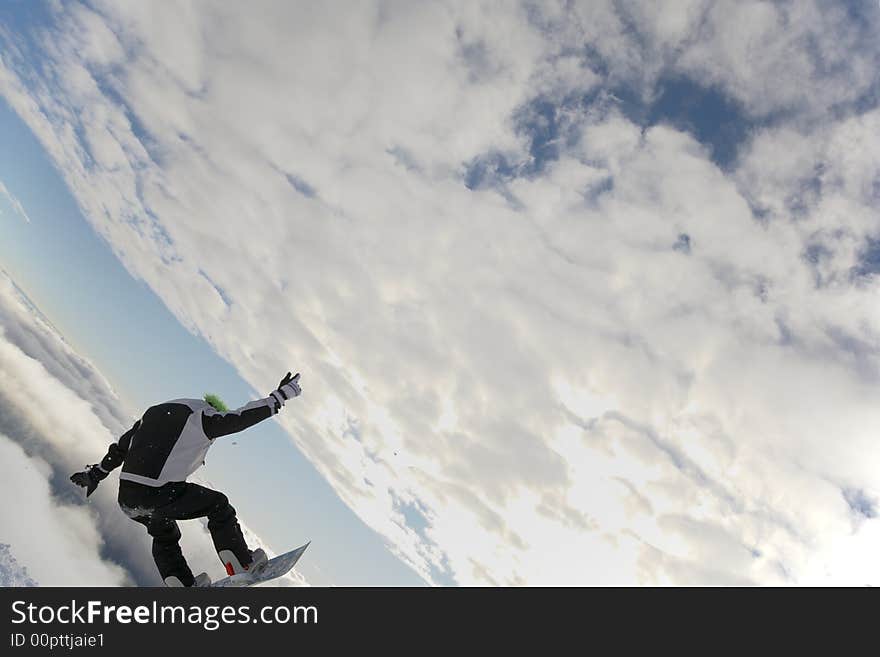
216 423
93 474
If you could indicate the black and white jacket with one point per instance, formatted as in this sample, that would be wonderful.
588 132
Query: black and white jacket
170 441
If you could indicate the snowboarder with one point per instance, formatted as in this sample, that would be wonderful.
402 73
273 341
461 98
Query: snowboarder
158 453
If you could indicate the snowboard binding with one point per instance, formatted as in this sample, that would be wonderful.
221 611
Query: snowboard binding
233 565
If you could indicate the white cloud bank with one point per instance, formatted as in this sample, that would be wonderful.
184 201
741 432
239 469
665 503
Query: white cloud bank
58 544
524 383
11 572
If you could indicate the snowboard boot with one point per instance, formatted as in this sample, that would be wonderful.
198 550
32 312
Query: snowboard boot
203 579
259 559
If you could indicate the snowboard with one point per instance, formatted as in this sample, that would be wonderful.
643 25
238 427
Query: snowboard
276 567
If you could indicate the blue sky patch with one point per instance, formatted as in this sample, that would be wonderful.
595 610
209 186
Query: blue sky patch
300 185
869 259
712 118
220 291
860 503
551 126
414 516
488 170
682 244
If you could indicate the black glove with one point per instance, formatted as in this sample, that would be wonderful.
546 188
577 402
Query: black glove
289 387
88 478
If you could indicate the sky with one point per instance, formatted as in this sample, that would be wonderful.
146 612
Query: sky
581 293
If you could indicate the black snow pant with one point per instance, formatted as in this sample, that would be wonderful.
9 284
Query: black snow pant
159 508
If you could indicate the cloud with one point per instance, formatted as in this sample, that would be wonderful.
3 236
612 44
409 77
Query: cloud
57 544
465 227
11 572
31 332
14 202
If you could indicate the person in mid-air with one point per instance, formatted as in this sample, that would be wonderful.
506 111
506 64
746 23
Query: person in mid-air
158 453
